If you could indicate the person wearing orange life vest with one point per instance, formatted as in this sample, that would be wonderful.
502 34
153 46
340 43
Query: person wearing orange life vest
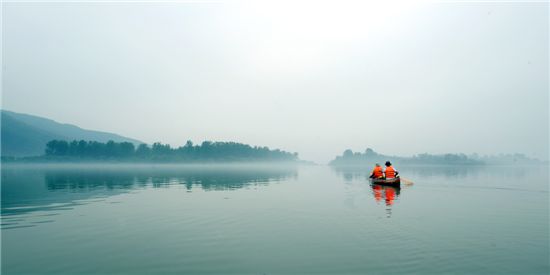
377 172
390 172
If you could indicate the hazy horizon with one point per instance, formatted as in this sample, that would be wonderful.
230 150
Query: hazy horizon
401 77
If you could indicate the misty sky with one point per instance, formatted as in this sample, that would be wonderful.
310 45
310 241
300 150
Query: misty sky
401 77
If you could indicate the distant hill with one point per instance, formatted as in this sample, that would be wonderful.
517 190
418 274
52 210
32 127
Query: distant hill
370 157
27 135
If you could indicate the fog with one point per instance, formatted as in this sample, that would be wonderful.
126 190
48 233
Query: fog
313 77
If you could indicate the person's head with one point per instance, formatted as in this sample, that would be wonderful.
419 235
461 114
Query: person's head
388 163
377 165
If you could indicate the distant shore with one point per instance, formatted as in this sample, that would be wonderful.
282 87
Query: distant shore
370 157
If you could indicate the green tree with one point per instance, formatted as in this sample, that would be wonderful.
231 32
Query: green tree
57 148
143 151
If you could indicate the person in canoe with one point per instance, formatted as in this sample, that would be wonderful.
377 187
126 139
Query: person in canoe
377 172
390 172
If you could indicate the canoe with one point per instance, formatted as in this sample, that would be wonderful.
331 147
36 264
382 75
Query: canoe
395 182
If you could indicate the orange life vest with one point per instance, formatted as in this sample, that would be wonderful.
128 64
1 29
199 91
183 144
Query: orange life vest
390 172
377 172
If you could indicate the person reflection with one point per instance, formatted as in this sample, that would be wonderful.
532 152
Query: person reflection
386 193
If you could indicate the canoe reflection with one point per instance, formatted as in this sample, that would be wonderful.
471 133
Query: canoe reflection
387 193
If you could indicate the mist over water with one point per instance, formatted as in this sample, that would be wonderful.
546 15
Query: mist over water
250 219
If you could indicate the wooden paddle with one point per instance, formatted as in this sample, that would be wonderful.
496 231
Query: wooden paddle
406 181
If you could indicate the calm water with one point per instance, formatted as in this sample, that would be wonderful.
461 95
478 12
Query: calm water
154 219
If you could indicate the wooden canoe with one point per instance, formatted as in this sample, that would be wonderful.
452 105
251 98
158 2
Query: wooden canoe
395 182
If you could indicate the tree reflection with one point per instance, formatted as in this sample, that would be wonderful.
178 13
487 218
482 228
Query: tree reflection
28 189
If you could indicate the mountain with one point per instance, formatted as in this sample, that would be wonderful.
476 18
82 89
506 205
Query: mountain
27 135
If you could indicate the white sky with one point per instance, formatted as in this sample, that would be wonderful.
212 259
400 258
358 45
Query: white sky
316 77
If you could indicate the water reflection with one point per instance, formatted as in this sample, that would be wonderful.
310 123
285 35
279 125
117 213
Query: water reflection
205 178
386 194
34 189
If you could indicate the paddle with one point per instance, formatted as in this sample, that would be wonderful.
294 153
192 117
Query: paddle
406 181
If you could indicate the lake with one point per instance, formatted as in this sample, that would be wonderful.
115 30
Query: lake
128 219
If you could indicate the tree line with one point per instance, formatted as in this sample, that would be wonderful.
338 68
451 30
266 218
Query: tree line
206 151
370 157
